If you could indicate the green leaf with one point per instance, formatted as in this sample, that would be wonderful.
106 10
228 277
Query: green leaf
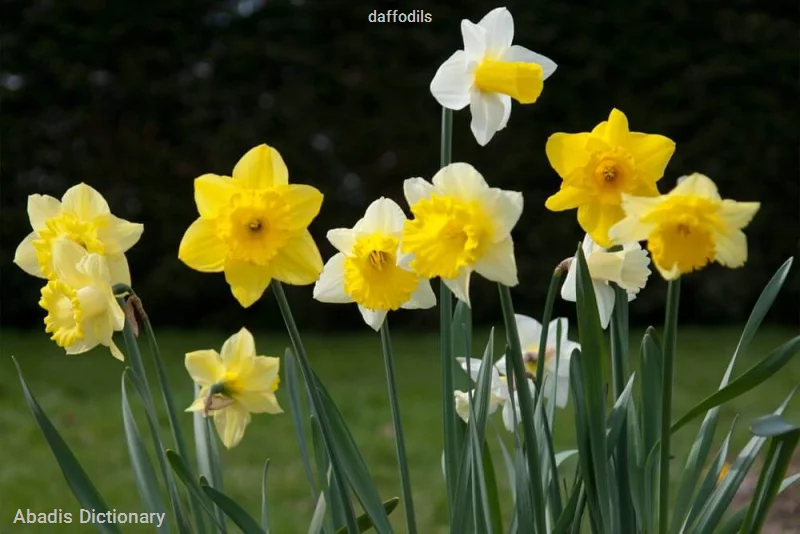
143 471
781 448
264 518
352 463
736 520
365 523
318 518
619 412
493 495
453 440
635 459
76 477
772 425
569 514
237 514
650 388
293 387
331 491
756 375
181 468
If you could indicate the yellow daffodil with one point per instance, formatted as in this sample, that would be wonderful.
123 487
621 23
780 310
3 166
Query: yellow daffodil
489 72
82 311
688 227
597 168
628 268
254 227
233 385
365 270
460 224
82 216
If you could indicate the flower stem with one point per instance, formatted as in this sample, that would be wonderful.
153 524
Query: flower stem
670 336
552 291
399 438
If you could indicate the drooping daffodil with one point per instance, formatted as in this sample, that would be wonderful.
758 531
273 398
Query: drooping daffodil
628 268
233 384
460 225
82 311
82 216
688 227
366 271
253 226
489 72
597 168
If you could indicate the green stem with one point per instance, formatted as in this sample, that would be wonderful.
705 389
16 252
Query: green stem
552 291
399 439
525 405
670 336
446 144
313 392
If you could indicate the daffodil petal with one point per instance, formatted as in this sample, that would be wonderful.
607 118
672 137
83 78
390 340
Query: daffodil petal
117 235
422 298
487 115
462 404
596 219
529 330
95 267
239 347
201 248
416 189
41 208
304 202
604 294
552 332
569 288
261 167
508 416
460 285
330 286
651 153
696 184
118 269
737 214
25 256
499 25
248 281
462 181
199 404
506 101
452 82
567 152
231 423
298 262
504 211
66 256
262 375
518 53
373 318
567 198
85 202
474 40
259 402
211 193
497 263
342 239
384 216
731 249
204 366
615 130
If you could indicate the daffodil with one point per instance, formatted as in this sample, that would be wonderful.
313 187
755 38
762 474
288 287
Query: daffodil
233 385
599 167
530 335
628 268
82 216
460 225
489 72
253 226
500 393
82 311
688 227
366 271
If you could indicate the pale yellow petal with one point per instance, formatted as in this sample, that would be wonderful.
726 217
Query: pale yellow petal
66 256
567 152
731 249
41 208
115 352
259 402
231 423
248 281
462 181
504 209
696 185
199 404
117 235
201 248
85 202
596 219
211 193
238 348
460 285
304 203
25 256
330 286
416 189
651 153
737 215
204 366
94 267
498 264
383 215
118 269
261 375
567 198
343 239
262 167
298 263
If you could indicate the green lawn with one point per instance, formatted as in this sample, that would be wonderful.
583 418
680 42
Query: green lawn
81 396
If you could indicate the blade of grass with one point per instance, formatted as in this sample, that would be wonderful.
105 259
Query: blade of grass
365 523
264 517
298 416
181 469
237 514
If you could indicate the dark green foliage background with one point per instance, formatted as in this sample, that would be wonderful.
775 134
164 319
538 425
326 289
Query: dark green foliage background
139 98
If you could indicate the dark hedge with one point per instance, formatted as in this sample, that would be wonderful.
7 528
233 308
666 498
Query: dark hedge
139 98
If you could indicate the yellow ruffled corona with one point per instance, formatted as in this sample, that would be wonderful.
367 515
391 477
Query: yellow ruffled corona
687 228
253 226
234 384
598 167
